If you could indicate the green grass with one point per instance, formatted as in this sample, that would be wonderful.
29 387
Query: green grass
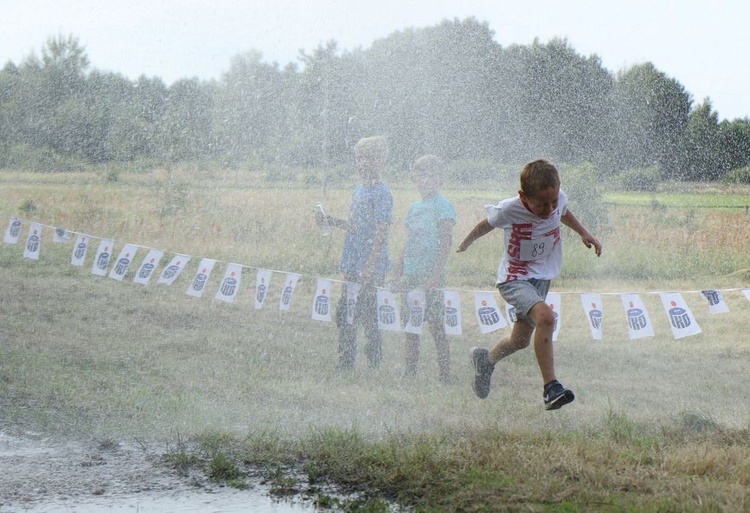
658 424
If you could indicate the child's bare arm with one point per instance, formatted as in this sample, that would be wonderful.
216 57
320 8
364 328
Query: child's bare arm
481 229
342 224
589 240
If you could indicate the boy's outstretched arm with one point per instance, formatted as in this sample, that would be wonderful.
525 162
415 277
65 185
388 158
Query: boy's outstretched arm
589 240
481 229
342 224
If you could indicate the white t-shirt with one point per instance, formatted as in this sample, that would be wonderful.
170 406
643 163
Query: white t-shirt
533 247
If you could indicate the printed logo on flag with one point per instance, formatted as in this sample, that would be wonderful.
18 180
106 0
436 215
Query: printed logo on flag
290 283
144 272
262 282
230 284
198 283
123 262
31 250
488 313
321 310
12 231
387 311
639 324
681 319
147 267
173 269
452 304
101 260
79 250
322 301
716 303
592 306
60 235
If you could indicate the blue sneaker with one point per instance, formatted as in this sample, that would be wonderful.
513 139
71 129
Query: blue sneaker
482 371
556 396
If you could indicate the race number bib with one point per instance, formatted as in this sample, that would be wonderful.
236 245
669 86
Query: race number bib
537 249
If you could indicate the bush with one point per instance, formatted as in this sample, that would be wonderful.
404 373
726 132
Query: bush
40 159
737 176
640 179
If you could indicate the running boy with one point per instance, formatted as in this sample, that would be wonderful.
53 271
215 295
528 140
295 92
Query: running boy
531 258
429 224
364 259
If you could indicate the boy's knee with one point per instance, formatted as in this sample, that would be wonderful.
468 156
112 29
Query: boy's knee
521 342
544 318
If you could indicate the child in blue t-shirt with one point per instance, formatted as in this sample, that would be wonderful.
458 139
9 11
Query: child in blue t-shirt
364 259
429 224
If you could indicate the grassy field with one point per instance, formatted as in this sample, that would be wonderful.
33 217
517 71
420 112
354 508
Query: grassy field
658 424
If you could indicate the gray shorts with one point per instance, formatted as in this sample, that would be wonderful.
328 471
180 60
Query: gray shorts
522 295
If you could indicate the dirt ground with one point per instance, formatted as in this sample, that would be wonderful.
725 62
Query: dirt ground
43 474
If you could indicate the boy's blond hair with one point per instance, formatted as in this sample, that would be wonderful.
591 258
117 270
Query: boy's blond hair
375 147
538 175
429 165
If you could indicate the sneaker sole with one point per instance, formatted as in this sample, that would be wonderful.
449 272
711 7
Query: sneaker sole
480 393
566 397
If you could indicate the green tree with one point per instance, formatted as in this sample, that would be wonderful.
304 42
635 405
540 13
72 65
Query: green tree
701 157
649 112
246 112
734 144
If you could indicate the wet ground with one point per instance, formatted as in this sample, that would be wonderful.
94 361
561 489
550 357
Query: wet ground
40 474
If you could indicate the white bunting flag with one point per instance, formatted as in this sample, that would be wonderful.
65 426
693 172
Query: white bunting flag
681 319
639 323
746 292
415 304
147 267
592 307
33 241
352 293
12 231
102 258
388 314
173 269
230 284
488 314
554 301
79 250
290 283
123 262
452 305
60 235
262 282
198 284
321 307
716 303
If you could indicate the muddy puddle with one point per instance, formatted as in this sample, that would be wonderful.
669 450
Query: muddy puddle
40 474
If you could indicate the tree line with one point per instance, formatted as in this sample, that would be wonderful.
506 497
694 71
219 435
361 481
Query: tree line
448 89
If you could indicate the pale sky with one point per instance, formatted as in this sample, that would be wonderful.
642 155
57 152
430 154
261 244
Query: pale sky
703 44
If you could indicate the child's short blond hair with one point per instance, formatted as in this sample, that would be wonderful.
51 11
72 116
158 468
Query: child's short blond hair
538 175
429 165
375 147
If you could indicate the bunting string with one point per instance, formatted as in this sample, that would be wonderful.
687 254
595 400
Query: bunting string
488 314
